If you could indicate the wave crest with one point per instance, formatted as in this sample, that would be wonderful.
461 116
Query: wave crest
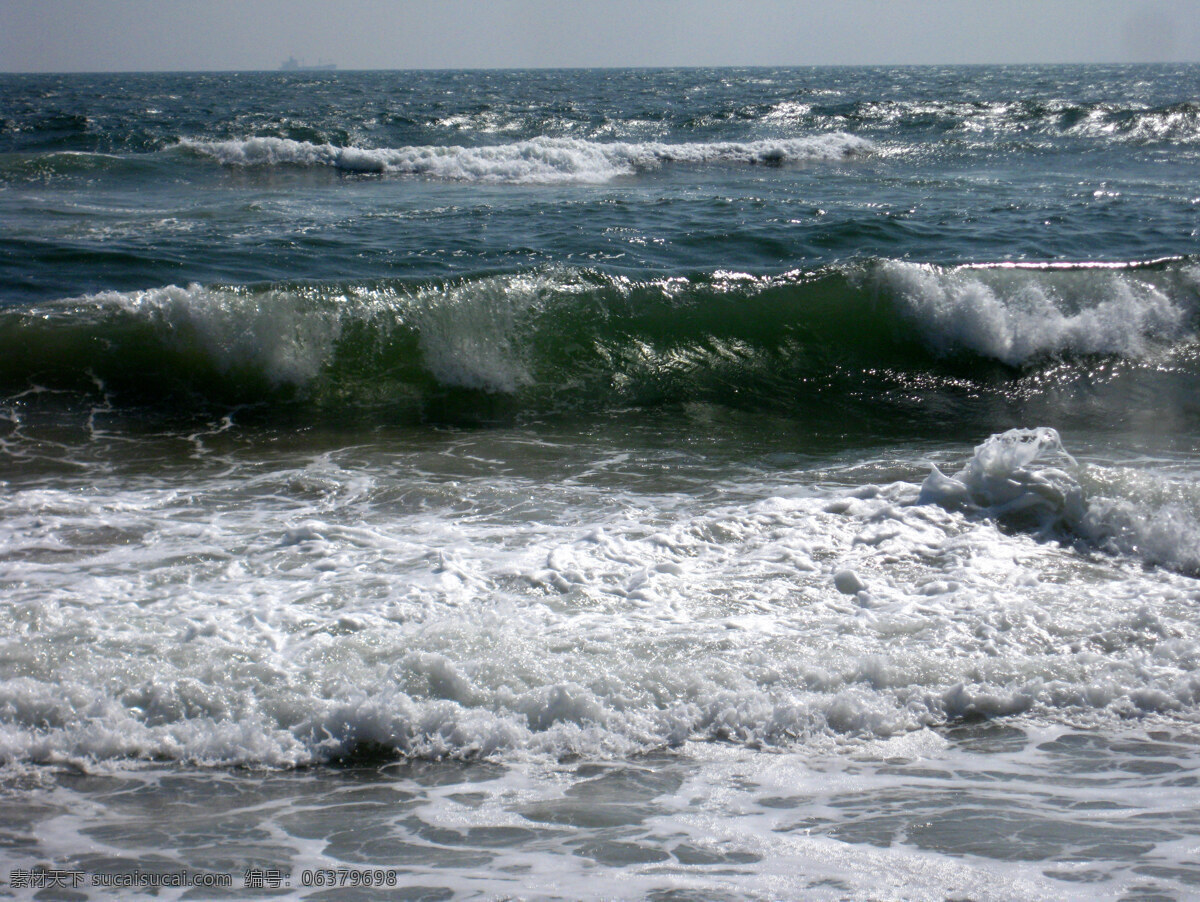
580 338
540 160
1018 315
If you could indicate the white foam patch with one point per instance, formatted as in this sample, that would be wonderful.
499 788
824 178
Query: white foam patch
1161 526
536 161
294 612
1018 316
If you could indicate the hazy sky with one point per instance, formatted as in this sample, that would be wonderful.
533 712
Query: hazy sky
125 35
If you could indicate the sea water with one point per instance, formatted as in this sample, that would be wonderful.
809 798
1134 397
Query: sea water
652 484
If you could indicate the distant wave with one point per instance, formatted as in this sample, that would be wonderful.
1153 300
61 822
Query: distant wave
1175 123
536 161
25 167
581 338
589 155
806 124
1046 117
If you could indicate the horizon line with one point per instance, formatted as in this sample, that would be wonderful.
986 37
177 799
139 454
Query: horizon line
601 68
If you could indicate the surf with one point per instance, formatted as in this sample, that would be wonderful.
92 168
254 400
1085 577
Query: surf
580 337
540 160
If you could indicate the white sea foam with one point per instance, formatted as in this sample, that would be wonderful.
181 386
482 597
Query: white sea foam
1025 478
294 612
1020 315
535 161
988 815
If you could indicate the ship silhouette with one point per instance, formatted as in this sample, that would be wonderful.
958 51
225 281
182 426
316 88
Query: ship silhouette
291 64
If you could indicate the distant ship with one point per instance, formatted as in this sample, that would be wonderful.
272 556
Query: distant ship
291 64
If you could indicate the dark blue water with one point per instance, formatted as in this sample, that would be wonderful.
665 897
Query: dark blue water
124 182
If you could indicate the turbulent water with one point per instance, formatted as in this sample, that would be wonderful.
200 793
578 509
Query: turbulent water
612 484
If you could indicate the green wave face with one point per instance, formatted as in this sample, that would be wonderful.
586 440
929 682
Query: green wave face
563 339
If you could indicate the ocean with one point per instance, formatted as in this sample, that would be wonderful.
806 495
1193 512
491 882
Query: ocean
613 484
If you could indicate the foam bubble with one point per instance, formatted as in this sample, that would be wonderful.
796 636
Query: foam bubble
1000 479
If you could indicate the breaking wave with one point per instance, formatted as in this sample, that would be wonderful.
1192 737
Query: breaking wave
1020 314
540 160
577 338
